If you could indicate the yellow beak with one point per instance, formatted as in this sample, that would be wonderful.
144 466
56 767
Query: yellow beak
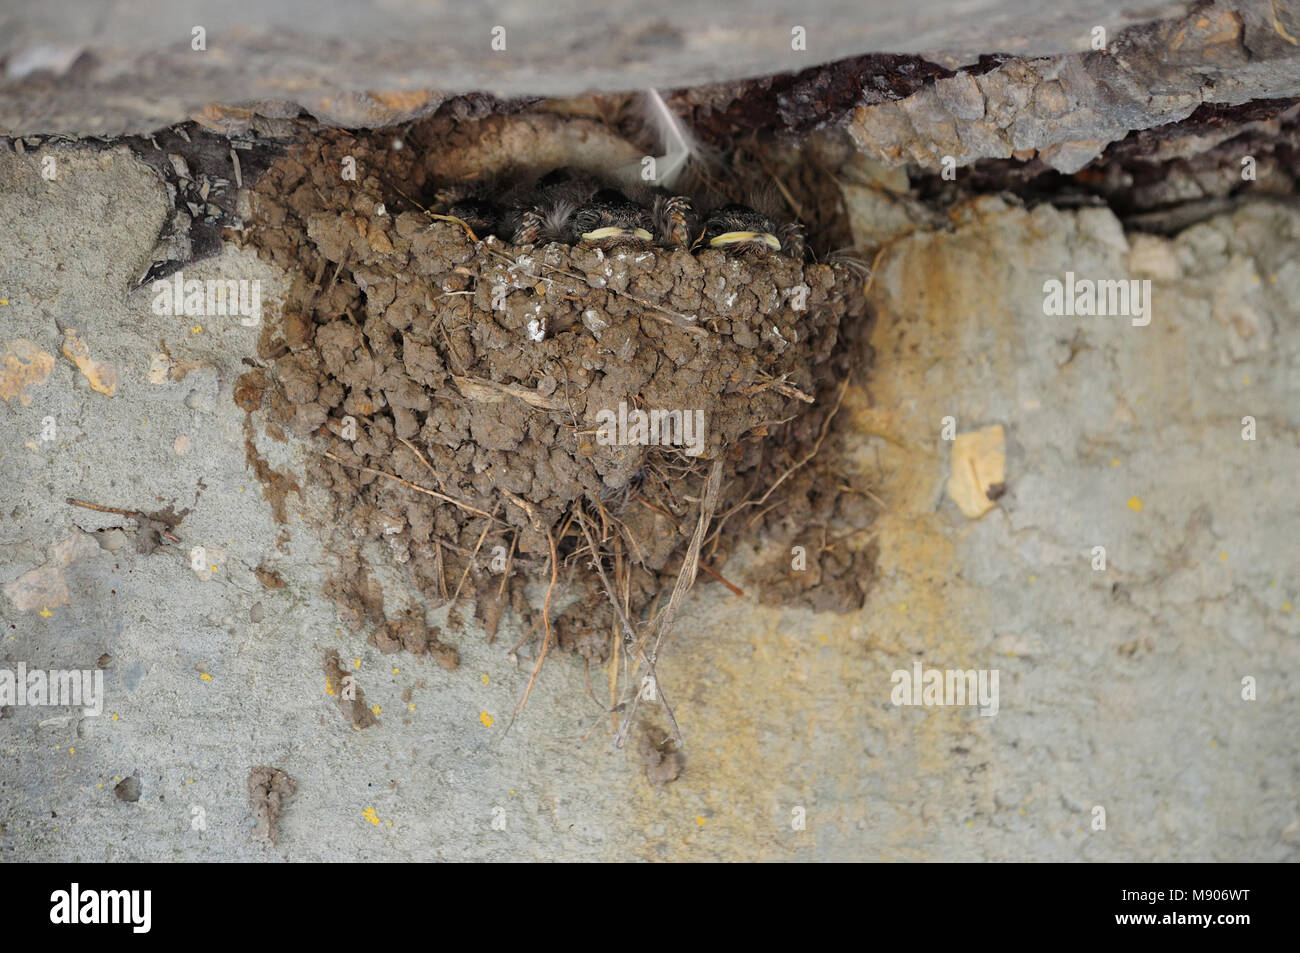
738 238
602 234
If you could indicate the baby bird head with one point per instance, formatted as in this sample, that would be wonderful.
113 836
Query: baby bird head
742 230
738 228
610 218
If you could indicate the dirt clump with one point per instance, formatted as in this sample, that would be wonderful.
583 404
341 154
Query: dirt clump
663 762
349 697
269 578
268 789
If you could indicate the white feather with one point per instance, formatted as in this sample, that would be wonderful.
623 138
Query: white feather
678 144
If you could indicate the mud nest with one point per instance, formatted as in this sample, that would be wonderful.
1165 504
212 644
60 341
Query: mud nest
464 400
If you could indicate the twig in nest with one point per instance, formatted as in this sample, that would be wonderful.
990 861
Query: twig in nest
442 575
615 655
490 392
132 514
534 517
628 635
442 218
668 316
826 427
514 541
347 253
452 218
129 514
686 577
526 636
470 563
546 620
781 387
871 278
315 286
415 486
419 456
718 576
661 511
623 580
612 712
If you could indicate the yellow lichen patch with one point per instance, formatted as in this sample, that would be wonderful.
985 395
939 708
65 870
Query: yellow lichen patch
977 471
486 719
23 366
1135 504
370 815
101 377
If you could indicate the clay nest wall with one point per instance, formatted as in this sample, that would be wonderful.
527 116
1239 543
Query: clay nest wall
452 388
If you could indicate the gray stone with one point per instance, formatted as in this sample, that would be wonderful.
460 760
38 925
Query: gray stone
1070 107
71 68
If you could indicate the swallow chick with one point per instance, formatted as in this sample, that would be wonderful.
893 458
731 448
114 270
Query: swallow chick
674 220
544 210
742 230
575 207
610 218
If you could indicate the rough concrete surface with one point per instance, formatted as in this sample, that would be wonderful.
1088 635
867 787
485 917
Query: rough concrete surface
1120 689
1069 108
74 66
